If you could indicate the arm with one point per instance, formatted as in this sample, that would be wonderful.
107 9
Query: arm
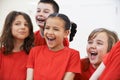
29 74
69 76
98 72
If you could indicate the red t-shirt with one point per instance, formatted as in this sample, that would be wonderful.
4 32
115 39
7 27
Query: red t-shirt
39 40
87 70
13 66
50 65
112 64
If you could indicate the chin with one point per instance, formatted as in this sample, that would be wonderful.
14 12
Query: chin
93 62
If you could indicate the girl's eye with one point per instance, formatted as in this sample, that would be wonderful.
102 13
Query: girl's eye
17 23
26 24
46 27
90 42
38 10
99 43
56 29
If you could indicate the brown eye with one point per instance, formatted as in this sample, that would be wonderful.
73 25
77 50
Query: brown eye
17 23
26 24
99 43
46 27
90 42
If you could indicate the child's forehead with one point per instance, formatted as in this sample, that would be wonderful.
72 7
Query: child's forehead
56 18
45 4
55 21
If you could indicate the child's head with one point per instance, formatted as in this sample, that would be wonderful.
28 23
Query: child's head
17 27
56 29
100 41
44 9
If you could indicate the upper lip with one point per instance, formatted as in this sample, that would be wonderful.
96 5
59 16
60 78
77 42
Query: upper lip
93 53
40 19
22 32
50 38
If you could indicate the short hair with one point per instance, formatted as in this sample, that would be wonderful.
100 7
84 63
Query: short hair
53 3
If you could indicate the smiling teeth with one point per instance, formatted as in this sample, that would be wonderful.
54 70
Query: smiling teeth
51 39
93 53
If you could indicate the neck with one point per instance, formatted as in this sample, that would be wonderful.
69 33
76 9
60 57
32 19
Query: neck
41 32
17 45
56 48
95 65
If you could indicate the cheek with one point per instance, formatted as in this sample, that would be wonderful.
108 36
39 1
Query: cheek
13 30
102 51
36 14
28 32
44 32
46 15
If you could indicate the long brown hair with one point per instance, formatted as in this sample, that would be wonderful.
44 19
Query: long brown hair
6 39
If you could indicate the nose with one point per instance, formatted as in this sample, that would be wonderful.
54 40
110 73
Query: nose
50 32
23 26
40 13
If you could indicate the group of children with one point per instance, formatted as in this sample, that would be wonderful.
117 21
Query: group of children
45 54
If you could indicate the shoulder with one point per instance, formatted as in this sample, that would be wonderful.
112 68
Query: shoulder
38 49
85 63
84 60
72 50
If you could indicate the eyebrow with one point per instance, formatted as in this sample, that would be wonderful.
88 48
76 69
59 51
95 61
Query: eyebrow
44 9
100 40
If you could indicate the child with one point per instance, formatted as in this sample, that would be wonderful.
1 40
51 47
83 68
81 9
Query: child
15 43
54 61
100 41
109 69
44 9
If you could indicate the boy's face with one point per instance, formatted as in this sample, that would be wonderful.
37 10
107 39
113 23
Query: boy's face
43 11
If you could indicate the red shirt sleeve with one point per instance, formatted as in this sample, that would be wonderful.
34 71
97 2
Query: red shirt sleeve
31 58
112 64
39 40
74 64
112 55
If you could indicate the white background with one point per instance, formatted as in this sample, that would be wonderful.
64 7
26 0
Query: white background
87 14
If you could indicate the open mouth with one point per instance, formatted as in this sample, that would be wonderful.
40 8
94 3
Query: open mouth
41 20
93 54
50 39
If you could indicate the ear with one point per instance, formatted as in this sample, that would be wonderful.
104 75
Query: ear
67 32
